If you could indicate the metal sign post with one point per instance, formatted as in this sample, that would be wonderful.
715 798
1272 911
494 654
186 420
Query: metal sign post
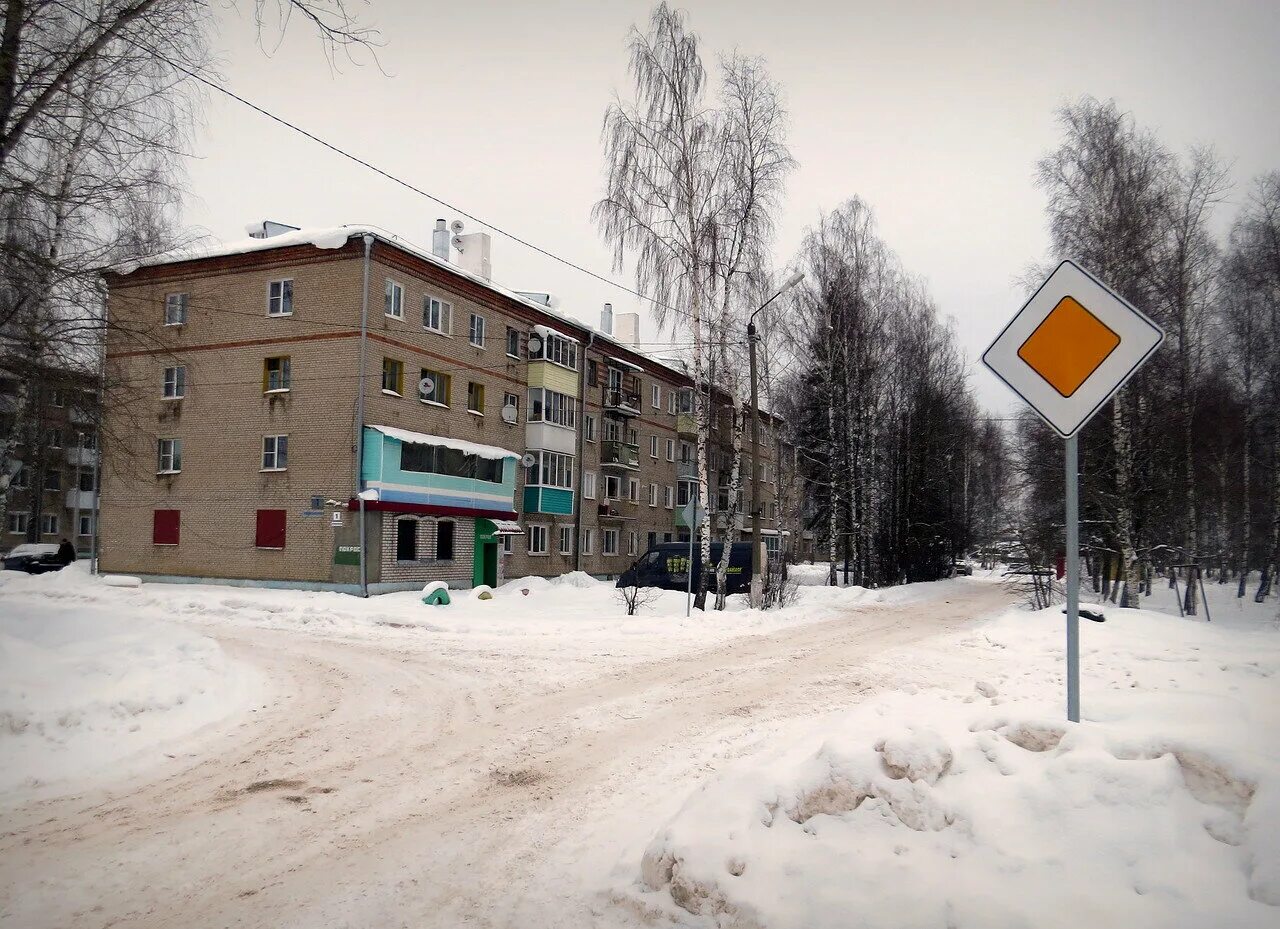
1066 353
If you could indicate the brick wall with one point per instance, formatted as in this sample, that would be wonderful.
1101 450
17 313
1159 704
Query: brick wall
457 572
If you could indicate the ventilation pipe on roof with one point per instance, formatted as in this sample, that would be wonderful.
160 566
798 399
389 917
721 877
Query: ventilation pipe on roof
440 240
628 329
267 228
606 319
473 253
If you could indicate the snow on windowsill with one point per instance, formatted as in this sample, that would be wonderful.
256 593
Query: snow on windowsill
391 393
277 390
443 406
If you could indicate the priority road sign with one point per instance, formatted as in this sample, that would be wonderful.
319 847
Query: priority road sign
1071 347
1066 353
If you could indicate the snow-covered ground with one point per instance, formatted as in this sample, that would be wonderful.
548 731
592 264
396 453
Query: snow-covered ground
981 806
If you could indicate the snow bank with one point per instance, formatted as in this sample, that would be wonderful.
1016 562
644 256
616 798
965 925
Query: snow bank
984 808
83 686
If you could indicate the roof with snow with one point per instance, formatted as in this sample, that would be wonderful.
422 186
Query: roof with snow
459 445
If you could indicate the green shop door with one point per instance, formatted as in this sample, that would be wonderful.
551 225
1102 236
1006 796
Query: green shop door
484 568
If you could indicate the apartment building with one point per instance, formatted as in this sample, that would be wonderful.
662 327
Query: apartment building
48 454
494 437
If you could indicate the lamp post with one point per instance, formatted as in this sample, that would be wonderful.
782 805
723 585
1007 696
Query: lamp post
757 583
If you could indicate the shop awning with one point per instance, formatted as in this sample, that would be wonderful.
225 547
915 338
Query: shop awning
506 527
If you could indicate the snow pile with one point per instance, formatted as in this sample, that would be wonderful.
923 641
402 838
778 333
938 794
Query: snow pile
982 807
83 686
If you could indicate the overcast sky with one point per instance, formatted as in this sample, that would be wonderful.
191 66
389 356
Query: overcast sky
934 113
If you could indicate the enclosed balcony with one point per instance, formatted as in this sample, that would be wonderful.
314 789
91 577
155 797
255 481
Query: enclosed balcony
621 395
620 455
81 499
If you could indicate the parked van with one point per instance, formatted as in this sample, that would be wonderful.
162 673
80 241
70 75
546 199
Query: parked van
666 565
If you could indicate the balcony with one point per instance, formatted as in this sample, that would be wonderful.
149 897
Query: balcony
686 425
612 510
83 499
687 469
84 457
622 399
621 455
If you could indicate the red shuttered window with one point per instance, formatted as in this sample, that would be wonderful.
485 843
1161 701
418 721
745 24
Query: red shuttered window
270 532
164 527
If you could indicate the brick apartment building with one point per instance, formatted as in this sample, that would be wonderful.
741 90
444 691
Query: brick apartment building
494 438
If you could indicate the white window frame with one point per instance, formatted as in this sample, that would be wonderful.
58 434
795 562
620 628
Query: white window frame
18 521
393 299
439 380
470 409
178 384
655 395
180 302
475 330
274 299
531 533
671 449
86 520
653 495
633 490
653 447
633 542
566 540
589 485
587 540
441 310
607 536
272 448
506 543
671 402
616 495
513 331
286 374
588 427
173 454
48 523
669 497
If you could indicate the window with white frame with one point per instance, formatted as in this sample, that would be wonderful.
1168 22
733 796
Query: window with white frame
537 537
49 523
609 546
393 300
280 298
588 540
633 542
684 401
19 481
437 315
589 484
633 490
612 430
653 446
548 406
511 400
772 544
507 543
513 342
685 491
86 524
671 449
175 382
169 456
175 309
566 540
275 452
686 452
655 391
276 374
653 495
589 427
668 497
671 402
612 487
434 387
476 331
58 397
557 350
18 522
550 469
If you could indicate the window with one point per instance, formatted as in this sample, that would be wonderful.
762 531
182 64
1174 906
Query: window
57 397
547 406
653 495
633 542
566 540
406 540
537 540
86 482
49 524
437 315
550 470
434 387
513 342
612 487
593 373
19 481
557 350
86 524
684 493
589 484
270 529
612 430
671 402
652 539
175 382
175 309
633 490
164 527
513 401
53 479
477 331
392 376
653 446
668 497
439 459
587 541
475 398
684 401
655 391
18 522
275 452
686 452
55 438
393 300
507 543
610 544
280 298
589 427
671 449
276 374
169 456
772 544
633 438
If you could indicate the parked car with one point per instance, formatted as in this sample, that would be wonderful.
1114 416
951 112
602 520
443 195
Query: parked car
666 565
962 569
35 558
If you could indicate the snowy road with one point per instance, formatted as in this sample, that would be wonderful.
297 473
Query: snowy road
438 780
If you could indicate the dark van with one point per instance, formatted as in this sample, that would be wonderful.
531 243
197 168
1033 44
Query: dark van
666 565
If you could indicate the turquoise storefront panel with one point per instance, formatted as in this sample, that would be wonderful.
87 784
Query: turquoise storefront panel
382 472
553 500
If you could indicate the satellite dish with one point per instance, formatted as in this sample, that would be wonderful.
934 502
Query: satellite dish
456 226
535 345
510 414
426 385
529 459
457 242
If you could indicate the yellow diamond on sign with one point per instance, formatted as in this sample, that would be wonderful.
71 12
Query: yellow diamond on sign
1068 346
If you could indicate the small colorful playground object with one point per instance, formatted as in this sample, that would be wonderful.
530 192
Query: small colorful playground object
436 594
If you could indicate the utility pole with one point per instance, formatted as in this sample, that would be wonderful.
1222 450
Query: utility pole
757 582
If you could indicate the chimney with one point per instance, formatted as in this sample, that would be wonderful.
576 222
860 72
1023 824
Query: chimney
606 319
473 253
440 241
628 329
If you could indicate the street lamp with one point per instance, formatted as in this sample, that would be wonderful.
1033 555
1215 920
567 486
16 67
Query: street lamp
756 581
